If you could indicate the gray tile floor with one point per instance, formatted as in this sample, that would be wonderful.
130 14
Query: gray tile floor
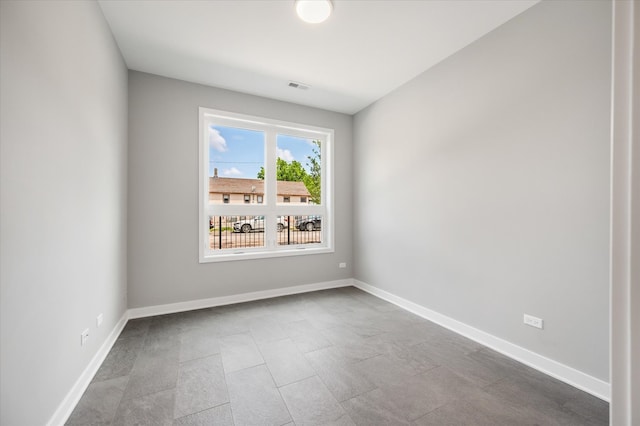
338 357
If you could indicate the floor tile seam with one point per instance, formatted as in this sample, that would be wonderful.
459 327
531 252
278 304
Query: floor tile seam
221 336
286 406
226 373
92 382
123 399
376 388
335 397
203 410
199 358
302 380
233 417
246 333
328 390
295 381
467 378
144 394
497 382
413 371
526 404
366 358
412 420
266 363
174 387
120 399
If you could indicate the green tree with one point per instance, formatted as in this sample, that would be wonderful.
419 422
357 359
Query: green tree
291 172
314 178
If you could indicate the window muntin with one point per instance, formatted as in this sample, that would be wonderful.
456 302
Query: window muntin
264 141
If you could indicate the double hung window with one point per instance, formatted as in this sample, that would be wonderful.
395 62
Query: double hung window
266 187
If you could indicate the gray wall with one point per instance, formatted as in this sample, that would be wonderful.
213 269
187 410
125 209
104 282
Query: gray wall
63 88
163 196
486 180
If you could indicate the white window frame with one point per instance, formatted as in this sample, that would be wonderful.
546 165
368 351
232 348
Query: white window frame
270 208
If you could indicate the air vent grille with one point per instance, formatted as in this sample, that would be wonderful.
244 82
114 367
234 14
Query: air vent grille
298 85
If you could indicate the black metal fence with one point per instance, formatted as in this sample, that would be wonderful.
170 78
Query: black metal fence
236 232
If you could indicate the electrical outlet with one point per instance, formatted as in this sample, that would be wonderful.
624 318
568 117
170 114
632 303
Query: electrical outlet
84 336
342 265
99 319
533 321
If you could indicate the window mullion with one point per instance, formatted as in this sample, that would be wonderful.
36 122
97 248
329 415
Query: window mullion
270 188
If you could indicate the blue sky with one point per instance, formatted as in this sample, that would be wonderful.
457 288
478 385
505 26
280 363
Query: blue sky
239 153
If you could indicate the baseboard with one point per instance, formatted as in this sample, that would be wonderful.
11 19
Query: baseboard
569 375
73 396
236 298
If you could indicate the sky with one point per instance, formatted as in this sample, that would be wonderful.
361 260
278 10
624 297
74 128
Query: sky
239 153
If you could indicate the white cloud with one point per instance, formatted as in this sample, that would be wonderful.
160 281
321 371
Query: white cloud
216 141
231 172
285 154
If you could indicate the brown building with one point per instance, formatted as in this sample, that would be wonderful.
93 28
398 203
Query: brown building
251 191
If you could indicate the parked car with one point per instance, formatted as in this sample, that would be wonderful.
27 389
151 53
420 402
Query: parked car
309 223
256 223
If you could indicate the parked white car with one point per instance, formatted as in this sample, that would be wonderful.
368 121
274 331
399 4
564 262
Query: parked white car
256 223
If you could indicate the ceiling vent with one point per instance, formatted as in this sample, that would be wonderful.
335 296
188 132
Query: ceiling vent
298 85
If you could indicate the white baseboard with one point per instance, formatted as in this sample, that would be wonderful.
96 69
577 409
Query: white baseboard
73 396
569 375
236 298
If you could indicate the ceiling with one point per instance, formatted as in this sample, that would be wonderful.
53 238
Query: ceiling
363 51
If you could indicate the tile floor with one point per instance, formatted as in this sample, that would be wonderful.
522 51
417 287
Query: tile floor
334 357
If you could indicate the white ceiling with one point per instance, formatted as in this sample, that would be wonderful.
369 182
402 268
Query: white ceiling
365 50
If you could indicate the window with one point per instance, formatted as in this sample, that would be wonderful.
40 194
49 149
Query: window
250 163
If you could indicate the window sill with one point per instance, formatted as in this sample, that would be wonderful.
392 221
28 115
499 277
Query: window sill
250 255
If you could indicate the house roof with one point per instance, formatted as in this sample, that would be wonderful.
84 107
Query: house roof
221 185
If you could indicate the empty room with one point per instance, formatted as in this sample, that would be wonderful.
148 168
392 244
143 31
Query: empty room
319 212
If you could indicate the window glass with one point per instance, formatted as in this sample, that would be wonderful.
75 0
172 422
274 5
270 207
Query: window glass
300 230
299 168
236 158
233 232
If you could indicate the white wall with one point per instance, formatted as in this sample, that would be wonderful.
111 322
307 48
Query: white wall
163 196
486 180
63 88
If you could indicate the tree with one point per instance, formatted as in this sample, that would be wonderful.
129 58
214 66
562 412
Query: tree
291 172
313 180
294 172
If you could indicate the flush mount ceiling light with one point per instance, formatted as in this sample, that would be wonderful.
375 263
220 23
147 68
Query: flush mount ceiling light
313 11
